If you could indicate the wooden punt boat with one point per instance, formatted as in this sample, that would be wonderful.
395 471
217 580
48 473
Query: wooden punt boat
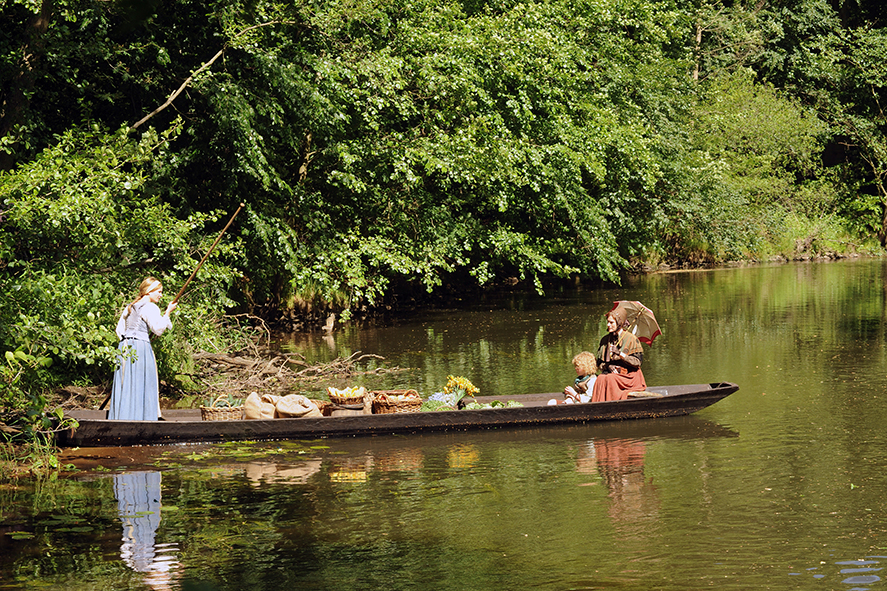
186 426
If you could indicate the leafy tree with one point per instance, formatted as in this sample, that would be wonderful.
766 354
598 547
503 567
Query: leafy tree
752 159
852 67
386 148
728 36
767 141
79 230
417 142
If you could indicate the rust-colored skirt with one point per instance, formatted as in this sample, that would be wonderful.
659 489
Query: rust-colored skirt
616 386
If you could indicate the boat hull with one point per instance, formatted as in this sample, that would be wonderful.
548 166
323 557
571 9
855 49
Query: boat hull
185 426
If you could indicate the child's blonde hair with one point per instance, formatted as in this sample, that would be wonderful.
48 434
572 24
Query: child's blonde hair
586 362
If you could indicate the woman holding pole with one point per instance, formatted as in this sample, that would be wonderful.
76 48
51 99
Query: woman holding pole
136 392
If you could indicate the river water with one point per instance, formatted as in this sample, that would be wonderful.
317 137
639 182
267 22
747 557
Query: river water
779 486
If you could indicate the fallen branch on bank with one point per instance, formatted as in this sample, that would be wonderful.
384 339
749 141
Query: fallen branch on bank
276 372
240 373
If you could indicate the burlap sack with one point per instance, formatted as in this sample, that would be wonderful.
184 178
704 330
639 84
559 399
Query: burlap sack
256 407
296 405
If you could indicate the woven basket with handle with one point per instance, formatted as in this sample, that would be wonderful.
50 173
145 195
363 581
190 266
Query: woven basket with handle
392 401
221 413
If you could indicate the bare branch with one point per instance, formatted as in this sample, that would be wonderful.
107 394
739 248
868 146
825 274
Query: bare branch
190 78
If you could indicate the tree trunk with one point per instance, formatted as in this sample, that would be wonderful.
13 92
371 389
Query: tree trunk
697 52
882 233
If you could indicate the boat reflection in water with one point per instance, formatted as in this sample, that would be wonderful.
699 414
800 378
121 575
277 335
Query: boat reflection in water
259 473
138 504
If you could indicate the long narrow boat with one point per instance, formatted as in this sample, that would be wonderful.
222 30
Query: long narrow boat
186 426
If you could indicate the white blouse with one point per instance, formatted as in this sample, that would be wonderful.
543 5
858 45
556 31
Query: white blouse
141 318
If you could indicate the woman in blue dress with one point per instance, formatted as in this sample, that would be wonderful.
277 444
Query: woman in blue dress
136 392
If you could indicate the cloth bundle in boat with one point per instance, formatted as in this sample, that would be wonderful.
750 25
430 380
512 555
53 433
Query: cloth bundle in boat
296 405
256 407
269 406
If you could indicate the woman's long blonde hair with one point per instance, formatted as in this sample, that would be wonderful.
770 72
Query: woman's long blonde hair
148 285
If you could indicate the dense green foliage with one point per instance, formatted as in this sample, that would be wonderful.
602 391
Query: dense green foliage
388 148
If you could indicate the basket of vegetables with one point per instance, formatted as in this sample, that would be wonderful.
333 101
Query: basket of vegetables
223 408
392 401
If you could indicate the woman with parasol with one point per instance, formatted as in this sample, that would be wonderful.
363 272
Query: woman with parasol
619 358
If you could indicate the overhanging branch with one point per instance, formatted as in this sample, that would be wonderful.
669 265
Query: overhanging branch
190 78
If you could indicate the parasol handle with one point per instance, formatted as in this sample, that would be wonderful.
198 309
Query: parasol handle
211 248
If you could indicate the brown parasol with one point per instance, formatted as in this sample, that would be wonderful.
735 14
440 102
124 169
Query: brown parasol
640 319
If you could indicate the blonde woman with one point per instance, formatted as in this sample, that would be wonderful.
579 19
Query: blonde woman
136 392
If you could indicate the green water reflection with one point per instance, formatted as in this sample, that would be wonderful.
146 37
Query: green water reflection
779 486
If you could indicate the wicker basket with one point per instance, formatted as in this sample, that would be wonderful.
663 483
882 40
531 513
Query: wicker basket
383 402
344 400
224 413
325 407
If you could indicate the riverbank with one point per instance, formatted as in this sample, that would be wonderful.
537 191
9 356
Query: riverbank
406 300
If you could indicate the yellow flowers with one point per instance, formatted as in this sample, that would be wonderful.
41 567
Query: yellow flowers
459 385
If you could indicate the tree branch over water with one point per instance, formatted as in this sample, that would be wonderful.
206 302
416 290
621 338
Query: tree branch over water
190 78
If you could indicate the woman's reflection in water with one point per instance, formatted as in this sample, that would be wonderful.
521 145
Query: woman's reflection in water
620 463
138 504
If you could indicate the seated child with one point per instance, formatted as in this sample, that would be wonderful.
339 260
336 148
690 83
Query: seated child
586 368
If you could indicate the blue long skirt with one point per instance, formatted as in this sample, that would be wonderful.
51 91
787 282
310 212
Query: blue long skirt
136 392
